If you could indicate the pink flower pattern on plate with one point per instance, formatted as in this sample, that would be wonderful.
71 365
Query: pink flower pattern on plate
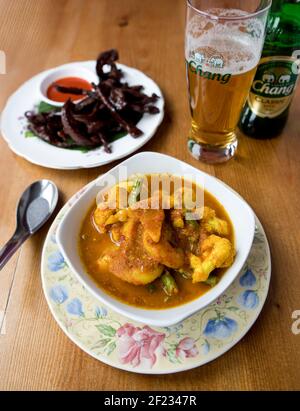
187 348
136 344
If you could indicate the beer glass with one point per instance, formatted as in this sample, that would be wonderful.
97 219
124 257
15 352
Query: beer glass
223 45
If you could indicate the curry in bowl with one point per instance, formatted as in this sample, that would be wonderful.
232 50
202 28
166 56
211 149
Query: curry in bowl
155 248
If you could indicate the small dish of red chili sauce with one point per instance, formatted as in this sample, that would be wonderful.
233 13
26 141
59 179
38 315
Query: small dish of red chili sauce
69 82
79 77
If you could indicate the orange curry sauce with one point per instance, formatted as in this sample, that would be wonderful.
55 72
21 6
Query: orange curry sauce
92 245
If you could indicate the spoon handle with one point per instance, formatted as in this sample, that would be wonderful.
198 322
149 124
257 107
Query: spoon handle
11 247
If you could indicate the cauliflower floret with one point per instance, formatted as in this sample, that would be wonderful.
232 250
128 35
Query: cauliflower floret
216 252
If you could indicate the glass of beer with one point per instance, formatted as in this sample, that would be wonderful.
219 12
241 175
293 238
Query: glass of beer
223 45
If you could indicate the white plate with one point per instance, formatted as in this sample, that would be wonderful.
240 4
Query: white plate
240 214
122 343
41 153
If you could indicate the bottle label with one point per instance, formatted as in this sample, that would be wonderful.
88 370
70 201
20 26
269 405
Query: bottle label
273 86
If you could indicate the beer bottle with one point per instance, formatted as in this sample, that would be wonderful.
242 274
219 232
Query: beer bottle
267 107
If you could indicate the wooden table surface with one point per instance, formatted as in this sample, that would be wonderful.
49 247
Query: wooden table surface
149 34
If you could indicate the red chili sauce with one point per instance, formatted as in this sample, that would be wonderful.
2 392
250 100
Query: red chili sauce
77 82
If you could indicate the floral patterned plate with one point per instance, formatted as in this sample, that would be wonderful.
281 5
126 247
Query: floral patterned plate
122 343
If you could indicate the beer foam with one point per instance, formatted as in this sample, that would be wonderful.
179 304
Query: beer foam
229 47
218 12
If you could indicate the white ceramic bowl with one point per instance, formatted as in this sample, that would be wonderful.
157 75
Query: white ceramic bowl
239 212
59 73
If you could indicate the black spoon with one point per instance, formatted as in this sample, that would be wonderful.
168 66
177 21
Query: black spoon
36 205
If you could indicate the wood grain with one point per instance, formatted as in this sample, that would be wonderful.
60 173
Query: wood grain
34 352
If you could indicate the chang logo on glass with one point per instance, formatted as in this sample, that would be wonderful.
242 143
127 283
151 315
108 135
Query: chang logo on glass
214 63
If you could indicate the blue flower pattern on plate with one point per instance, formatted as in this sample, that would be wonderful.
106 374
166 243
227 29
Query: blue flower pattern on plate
205 347
56 261
101 312
220 328
248 279
75 307
249 299
58 294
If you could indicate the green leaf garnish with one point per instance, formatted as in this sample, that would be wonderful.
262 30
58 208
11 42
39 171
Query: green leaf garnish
117 136
44 107
28 134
